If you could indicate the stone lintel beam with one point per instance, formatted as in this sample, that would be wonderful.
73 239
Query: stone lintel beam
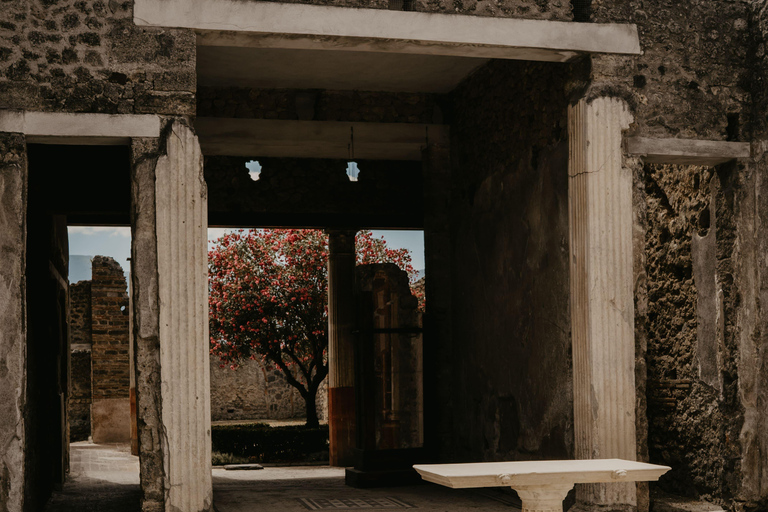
316 27
686 151
315 139
77 128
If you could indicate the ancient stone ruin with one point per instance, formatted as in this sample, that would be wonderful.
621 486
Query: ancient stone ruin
589 177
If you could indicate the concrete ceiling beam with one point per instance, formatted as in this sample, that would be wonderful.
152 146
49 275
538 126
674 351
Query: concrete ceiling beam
313 27
316 139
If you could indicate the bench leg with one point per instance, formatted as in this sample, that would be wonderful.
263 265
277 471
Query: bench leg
543 498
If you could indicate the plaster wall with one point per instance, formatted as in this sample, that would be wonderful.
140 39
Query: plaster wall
254 392
512 389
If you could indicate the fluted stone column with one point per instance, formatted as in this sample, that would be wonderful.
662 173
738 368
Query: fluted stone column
341 355
602 306
170 285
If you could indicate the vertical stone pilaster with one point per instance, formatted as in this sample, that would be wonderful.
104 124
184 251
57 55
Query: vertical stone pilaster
341 353
13 328
145 336
182 267
602 307
170 324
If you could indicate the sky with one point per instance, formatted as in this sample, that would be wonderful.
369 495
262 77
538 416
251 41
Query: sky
116 242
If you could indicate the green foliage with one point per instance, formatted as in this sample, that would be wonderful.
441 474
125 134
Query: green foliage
262 443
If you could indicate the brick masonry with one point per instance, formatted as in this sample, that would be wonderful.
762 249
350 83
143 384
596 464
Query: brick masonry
109 310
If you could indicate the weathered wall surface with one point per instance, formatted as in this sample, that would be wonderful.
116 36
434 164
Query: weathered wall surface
13 343
694 413
109 310
80 361
80 395
87 56
511 342
693 79
304 192
323 105
253 392
80 313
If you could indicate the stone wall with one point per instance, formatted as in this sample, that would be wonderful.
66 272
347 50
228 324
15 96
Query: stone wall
323 105
693 409
510 355
88 56
80 313
253 392
109 306
80 396
80 361
693 79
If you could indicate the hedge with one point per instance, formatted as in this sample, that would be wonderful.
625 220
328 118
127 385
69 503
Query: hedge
262 443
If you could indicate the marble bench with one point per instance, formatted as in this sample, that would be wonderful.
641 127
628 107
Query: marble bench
542 485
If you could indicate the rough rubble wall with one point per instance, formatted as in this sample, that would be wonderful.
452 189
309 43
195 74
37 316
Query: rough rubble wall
692 80
13 197
80 313
80 361
513 389
80 396
88 56
323 105
694 411
253 392
109 309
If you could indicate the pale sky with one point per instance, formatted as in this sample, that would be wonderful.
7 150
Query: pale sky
116 242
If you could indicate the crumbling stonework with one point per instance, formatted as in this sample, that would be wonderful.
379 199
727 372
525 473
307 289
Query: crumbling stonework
100 378
692 379
109 310
80 396
80 313
88 56
253 392
693 78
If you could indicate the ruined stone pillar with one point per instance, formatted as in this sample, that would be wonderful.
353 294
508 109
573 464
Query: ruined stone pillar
341 353
13 328
170 284
602 302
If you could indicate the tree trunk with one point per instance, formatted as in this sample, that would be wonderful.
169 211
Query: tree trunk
311 400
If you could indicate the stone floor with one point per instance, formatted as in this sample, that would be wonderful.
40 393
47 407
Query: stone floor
106 478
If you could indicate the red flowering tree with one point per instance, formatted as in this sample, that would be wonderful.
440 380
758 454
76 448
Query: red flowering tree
268 299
